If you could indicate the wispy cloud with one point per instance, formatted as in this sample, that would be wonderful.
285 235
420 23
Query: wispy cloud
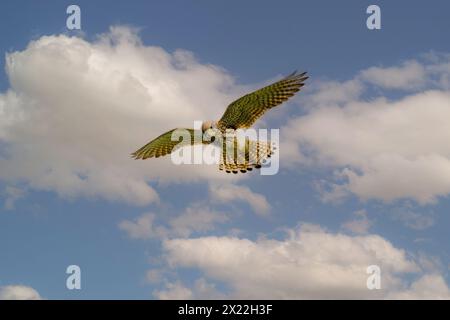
410 75
360 224
143 227
196 218
230 193
12 195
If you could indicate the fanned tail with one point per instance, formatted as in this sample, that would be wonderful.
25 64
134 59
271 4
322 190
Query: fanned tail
235 159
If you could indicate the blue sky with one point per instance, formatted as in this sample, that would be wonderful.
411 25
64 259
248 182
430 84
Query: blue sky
51 225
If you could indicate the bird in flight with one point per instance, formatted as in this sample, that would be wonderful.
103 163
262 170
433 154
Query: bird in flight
240 114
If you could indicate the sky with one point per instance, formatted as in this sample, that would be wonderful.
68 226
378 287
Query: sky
364 171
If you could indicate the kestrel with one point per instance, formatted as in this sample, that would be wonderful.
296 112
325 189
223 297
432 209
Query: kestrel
240 114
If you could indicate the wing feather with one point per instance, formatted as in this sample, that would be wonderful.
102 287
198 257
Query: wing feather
243 112
167 143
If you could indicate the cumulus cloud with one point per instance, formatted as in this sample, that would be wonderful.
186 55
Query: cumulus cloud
381 148
430 286
75 110
18 292
73 133
311 263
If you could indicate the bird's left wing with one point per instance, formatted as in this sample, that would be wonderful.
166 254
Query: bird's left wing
243 112
168 142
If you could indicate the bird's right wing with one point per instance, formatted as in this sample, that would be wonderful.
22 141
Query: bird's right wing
243 112
168 142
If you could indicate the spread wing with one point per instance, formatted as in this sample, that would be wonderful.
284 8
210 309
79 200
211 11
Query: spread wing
168 142
243 112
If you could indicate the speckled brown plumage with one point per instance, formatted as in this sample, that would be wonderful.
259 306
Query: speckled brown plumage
240 114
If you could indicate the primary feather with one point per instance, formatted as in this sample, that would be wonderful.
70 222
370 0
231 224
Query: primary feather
243 112
166 144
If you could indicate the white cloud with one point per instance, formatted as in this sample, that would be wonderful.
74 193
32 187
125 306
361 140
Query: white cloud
196 218
174 291
229 193
18 292
410 75
360 224
430 286
201 289
73 131
100 100
383 149
143 227
311 263
333 92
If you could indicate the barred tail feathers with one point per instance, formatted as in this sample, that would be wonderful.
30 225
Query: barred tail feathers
237 159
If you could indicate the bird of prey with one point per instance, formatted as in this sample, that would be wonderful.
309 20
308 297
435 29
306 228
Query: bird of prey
240 114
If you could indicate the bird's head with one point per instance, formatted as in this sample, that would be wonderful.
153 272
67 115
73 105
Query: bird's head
209 130
206 125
